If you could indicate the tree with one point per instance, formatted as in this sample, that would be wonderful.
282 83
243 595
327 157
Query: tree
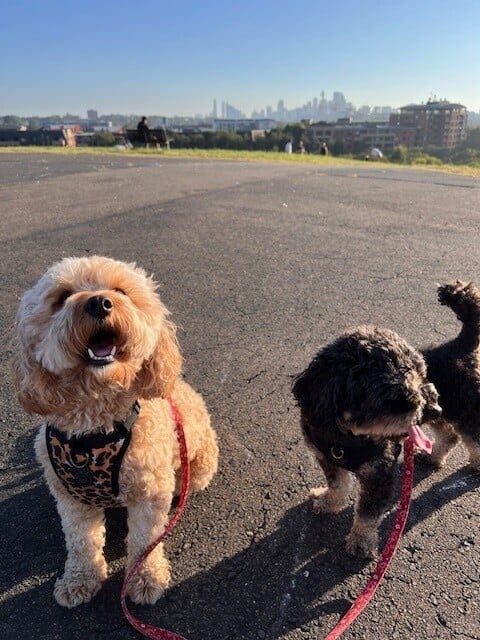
12 122
295 131
182 141
311 145
229 140
399 154
337 148
467 156
103 139
34 123
360 147
274 140
197 141
472 141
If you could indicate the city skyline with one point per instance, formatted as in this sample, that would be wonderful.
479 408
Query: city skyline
316 109
224 109
63 58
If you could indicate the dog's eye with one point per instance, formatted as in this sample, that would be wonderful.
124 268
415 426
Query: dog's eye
63 297
120 291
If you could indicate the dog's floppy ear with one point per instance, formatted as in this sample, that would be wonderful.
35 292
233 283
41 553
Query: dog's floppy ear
302 388
37 388
158 374
319 394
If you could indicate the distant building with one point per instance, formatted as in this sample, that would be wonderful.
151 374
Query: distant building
60 126
359 137
92 115
439 124
281 111
229 111
64 137
243 125
436 123
103 126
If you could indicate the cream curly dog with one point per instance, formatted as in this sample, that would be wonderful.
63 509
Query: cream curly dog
98 359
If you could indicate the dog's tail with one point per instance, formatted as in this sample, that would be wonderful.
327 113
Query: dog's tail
464 300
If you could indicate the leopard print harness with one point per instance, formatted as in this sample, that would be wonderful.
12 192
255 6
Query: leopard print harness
88 466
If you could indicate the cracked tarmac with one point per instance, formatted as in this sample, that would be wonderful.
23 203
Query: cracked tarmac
256 288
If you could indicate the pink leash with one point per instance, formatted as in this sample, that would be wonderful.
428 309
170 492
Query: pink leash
388 552
148 630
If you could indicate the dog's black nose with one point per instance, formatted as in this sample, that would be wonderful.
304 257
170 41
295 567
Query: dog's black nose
432 412
98 306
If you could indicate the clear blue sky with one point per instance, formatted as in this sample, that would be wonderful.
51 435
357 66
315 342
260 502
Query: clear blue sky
174 58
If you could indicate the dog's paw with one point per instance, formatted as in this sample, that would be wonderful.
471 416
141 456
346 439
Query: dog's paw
449 293
428 460
474 468
147 587
436 463
325 500
73 591
363 545
474 459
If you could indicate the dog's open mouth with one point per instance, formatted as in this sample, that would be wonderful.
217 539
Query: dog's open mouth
101 348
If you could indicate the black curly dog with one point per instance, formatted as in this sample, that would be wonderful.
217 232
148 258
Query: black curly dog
363 393
359 398
454 368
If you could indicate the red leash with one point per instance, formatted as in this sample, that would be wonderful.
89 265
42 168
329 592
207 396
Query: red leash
360 603
387 554
148 630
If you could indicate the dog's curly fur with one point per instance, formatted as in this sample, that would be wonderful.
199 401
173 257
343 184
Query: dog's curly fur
358 398
58 377
454 368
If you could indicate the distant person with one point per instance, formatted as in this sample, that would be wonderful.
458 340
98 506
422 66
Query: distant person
301 147
145 134
289 147
324 149
375 154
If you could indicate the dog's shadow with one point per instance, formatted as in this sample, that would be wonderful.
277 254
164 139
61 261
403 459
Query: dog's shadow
440 491
271 586
281 581
287 579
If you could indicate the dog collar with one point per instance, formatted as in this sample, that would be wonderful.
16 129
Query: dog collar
347 450
88 466
351 456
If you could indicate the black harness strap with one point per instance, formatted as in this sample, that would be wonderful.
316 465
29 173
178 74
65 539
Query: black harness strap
89 466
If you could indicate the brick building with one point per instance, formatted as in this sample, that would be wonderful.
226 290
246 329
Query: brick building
359 137
436 123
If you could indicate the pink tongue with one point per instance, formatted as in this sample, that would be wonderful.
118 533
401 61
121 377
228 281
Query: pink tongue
419 439
103 350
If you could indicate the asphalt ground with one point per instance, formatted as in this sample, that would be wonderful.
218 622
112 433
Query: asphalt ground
261 265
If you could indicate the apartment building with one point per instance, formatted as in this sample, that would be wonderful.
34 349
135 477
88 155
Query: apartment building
359 137
436 123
